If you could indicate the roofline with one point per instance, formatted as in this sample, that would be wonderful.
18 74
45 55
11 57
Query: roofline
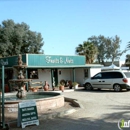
75 66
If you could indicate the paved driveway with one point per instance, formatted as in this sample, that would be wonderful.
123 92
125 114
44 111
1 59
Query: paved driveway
101 111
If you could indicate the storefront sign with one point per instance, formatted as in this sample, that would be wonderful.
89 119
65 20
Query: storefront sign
59 60
55 60
27 114
11 61
2 62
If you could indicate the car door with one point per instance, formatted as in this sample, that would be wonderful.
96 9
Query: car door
107 80
102 80
96 81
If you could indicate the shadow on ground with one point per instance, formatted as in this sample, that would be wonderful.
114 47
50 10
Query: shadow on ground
106 122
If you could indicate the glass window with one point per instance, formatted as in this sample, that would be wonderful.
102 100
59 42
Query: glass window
33 73
97 76
86 73
106 75
116 75
109 75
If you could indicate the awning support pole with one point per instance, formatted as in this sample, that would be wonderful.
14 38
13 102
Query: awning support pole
73 74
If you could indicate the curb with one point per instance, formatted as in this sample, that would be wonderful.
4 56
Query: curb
75 102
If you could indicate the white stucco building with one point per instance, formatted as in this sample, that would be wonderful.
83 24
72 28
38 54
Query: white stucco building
52 68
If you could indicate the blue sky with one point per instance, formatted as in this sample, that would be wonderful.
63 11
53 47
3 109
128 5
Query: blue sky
66 23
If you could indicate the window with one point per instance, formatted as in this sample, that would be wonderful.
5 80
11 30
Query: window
97 76
33 73
103 75
86 73
106 75
116 75
110 75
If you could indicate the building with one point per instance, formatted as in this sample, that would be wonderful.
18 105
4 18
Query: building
51 68
117 63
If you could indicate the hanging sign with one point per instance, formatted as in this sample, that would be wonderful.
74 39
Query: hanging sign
27 114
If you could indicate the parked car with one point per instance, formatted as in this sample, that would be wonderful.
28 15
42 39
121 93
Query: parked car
113 79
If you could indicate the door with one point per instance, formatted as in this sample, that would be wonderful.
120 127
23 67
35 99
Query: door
54 77
102 80
96 81
107 80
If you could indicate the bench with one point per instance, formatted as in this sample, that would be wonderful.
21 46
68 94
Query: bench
36 85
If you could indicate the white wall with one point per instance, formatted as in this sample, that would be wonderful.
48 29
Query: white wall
66 74
94 71
121 63
79 75
43 75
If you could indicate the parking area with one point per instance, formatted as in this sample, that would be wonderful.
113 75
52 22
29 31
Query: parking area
101 111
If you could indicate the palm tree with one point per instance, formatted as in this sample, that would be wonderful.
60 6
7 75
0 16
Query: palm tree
128 46
127 58
89 50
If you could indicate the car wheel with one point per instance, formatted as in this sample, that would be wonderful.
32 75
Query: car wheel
88 86
117 88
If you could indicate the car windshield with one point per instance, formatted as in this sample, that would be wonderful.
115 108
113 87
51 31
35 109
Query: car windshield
127 74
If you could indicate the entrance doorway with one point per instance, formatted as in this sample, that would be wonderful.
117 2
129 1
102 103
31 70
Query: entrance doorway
56 76
54 73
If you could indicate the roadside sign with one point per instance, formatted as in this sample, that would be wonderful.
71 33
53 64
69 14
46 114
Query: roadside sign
27 114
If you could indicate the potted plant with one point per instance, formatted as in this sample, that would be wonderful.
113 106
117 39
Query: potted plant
34 89
46 86
62 85
75 85
70 84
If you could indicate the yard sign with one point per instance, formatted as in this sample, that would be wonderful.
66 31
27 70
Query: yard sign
27 114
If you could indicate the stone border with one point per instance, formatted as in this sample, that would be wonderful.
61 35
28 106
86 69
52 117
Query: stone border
75 102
